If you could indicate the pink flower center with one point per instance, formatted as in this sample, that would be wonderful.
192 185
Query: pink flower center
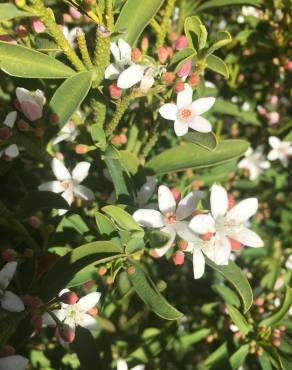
283 150
206 237
66 184
235 245
185 113
170 218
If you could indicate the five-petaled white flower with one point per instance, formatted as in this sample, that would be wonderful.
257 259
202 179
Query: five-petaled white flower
122 365
187 113
170 217
67 184
11 150
14 362
68 132
226 228
124 70
75 314
280 150
9 301
255 162
31 104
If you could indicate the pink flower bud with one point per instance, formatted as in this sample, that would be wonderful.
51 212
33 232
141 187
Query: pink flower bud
259 301
81 149
176 194
66 333
69 298
274 100
5 133
37 25
181 43
88 285
21 31
22 125
169 51
74 13
54 118
183 245
116 140
34 221
114 91
145 44
262 111
9 254
168 78
274 118
178 258
235 245
136 55
194 80
185 69
179 87
7 38
289 66
67 18
162 54
123 138
36 322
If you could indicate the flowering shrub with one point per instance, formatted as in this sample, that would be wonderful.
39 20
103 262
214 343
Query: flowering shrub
145 207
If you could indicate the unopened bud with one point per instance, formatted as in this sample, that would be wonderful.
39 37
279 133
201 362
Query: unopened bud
34 221
183 245
131 270
176 194
259 301
194 80
179 87
69 298
145 44
231 202
181 43
114 91
54 118
109 280
7 351
276 342
36 322
168 78
289 66
116 140
9 254
37 25
123 138
185 69
136 55
5 133
178 258
102 271
162 54
21 31
66 333
22 125
39 132
169 51
81 149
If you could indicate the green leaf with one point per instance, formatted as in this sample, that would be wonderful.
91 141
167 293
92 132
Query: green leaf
281 311
190 155
205 140
288 137
196 33
265 362
69 265
45 42
33 63
68 97
134 245
227 294
230 109
105 226
217 65
10 11
134 17
37 200
239 320
237 359
219 354
129 161
181 57
77 223
98 135
150 295
223 38
274 356
235 277
87 352
218 3
197 336
122 218
156 239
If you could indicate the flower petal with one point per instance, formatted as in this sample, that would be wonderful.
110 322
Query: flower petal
130 76
247 237
274 142
202 105
115 51
200 124
166 201
218 249
242 211
54 186
125 50
12 151
23 94
149 218
168 111
61 138
89 301
112 72
47 320
183 230
7 273
198 263
14 362
80 171
83 192
39 98
219 201
121 364
11 302
60 171
188 204
202 224
88 322
273 155
10 119
184 98
180 127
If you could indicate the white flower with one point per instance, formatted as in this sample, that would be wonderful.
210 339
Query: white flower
9 301
250 11
255 162
10 151
280 150
288 263
170 217
227 226
147 79
123 69
69 184
122 365
31 104
75 314
10 119
187 113
14 362
68 133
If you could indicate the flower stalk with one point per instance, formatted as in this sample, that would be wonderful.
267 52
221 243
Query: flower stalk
164 23
83 49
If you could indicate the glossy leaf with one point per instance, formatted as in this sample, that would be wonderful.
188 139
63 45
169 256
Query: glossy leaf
149 294
134 17
33 63
235 277
227 294
265 362
196 33
68 97
189 339
238 357
239 320
217 65
129 161
10 11
207 141
69 265
220 353
281 311
223 38
122 218
181 57
211 4
190 155
98 135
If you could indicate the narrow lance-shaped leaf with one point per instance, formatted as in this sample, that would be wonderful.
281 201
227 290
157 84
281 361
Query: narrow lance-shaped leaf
135 16
238 357
190 155
205 140
20 61
239 320
235 277
10 11
122 218
223 38
149 294
217 65
219 3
